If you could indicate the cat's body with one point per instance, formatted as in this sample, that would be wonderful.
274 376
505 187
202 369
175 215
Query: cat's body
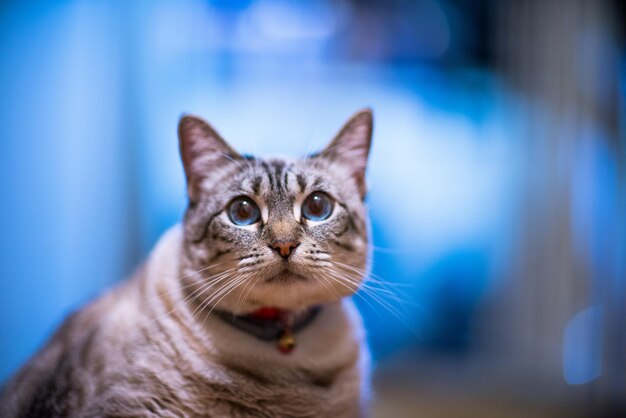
154 346
162 369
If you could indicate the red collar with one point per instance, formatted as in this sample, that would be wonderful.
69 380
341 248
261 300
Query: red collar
268 313
273 324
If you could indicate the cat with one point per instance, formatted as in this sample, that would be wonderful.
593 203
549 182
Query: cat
241 311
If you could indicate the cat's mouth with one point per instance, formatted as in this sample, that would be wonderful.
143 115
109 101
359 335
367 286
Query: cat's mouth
286 276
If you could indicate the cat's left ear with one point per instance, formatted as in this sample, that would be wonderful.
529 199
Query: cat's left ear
351 146
202 150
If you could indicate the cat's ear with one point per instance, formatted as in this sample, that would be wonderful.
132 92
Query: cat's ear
202 150
351 146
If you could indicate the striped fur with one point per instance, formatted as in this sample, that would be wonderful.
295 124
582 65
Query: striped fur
151 347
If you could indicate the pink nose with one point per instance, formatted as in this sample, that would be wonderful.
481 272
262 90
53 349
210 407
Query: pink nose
284 248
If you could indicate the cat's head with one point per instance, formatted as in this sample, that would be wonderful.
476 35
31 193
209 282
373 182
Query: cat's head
279 232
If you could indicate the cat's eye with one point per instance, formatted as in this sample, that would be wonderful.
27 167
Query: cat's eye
317 207
243 211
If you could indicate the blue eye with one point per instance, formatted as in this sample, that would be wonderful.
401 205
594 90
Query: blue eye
317 207
243 211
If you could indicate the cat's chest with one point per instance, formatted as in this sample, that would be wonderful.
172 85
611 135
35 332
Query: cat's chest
300 393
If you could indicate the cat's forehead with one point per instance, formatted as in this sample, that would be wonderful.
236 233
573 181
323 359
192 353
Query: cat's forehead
281 175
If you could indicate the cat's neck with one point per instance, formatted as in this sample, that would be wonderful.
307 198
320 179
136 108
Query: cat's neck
273 324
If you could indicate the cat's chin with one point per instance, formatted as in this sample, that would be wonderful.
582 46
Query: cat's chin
285 291
292 292
286 277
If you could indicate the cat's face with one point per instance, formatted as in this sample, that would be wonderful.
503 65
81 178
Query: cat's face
274 232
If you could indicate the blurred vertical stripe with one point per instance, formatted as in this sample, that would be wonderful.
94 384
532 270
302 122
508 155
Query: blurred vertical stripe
68 217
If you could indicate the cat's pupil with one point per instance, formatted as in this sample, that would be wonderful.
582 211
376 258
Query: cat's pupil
244 210
316 205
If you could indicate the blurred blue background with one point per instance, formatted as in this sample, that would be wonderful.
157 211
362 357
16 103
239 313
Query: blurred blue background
497 175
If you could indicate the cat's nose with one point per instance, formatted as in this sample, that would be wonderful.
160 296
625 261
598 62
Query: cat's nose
284 248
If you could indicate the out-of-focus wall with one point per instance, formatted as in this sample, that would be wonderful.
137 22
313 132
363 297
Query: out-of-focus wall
67 216
566 296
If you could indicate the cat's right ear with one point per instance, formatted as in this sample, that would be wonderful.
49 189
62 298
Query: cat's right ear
351 146
202 150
